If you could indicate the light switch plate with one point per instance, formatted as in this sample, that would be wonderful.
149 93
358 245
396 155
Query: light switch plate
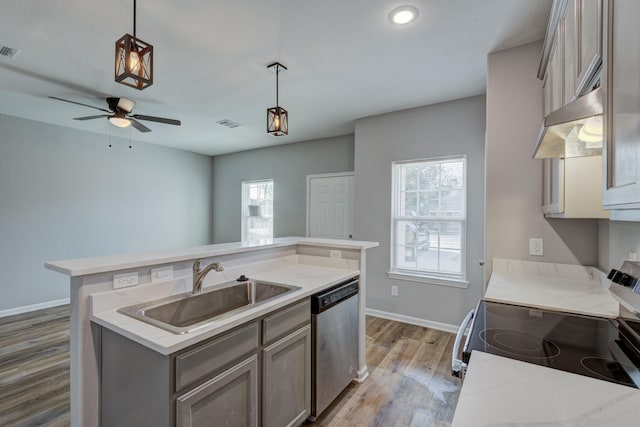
536 247
394 290
161 273
124 280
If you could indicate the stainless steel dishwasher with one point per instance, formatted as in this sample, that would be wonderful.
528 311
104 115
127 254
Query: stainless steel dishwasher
334 348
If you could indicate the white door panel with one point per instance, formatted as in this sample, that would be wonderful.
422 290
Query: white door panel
330 209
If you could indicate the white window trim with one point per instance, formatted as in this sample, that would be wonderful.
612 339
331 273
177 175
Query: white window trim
243 218
442 279
429 279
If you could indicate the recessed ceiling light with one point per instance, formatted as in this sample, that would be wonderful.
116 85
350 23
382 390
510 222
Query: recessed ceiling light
403 15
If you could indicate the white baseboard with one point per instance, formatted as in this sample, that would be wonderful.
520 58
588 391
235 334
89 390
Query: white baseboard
33 307
446 327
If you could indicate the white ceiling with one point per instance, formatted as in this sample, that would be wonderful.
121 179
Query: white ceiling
345 60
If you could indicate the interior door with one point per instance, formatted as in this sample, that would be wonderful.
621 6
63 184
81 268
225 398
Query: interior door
330 208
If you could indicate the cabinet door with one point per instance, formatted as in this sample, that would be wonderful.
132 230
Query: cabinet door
286 384
621 150
546 95
553 186
555 70
570 51
229 399
589 40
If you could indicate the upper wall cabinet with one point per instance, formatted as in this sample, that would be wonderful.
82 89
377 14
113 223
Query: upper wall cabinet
572 52
568 33
589 31
621 150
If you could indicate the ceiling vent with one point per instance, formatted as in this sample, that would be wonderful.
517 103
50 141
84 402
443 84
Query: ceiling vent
229 123
8 51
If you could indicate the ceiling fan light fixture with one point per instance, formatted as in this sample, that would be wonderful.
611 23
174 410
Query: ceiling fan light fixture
134 60
119 121
277 117
403 15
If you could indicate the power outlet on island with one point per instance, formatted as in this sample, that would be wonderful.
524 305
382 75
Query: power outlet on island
536 247
124 280
335 254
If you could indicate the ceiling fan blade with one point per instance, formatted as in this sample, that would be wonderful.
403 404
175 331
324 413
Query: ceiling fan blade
79 103
157 119
91 117
139 126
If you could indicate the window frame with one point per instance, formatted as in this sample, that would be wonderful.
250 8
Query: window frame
244 214
423 275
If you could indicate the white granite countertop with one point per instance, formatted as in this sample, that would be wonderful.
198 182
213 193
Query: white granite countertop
561 287
311 274
85 266
504 392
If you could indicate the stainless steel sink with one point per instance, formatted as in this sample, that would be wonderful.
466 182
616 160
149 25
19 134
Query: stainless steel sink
186 312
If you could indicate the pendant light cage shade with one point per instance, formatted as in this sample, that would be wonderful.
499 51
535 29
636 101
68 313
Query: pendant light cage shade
277 121
277 117
134 62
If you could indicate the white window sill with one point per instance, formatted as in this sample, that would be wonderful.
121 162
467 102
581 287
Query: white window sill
428 279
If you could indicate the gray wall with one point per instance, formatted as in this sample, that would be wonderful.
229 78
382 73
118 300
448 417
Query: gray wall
514 180
617 239
65 194
446 129
288 165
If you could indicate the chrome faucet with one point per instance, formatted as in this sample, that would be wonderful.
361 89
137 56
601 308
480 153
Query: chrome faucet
199 275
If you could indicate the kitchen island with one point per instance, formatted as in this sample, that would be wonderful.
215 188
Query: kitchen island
313 264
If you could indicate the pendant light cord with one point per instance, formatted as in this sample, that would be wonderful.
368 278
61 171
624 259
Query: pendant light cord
134 18
277 74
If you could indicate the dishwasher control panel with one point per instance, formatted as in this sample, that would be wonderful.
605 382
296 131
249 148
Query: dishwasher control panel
332 296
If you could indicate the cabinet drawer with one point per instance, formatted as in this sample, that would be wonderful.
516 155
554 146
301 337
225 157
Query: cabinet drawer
283 322
206 359
230 399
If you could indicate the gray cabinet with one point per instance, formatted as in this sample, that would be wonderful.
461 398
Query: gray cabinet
589 15
286 386
261 367
569 37
556 76
231 398
572 188
575 52
621 150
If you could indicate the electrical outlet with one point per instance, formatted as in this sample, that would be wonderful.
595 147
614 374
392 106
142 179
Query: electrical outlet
633 256
124 280
394 290
161 273
335 254
536 247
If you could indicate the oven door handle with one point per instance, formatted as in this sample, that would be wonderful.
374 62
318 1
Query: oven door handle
456 364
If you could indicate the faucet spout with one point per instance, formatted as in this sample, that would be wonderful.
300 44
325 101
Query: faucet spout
199 275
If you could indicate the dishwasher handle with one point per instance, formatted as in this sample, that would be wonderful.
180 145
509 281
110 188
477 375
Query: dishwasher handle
457 364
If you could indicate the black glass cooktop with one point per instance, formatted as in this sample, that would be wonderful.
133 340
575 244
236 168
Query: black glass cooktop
589 346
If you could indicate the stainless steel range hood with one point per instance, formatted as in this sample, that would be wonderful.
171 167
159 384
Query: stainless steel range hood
574 130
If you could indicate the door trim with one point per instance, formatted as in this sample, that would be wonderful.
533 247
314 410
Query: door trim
321 175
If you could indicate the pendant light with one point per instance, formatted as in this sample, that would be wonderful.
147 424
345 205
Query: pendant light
277 117
134 60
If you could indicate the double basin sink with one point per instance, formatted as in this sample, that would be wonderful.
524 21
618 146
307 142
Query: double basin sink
187 312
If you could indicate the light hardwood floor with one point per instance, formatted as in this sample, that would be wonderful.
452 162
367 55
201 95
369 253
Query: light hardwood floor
409 382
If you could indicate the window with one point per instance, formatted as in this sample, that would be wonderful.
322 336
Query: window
257 210
428 220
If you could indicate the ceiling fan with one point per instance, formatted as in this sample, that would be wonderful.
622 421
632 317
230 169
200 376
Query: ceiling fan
120 114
